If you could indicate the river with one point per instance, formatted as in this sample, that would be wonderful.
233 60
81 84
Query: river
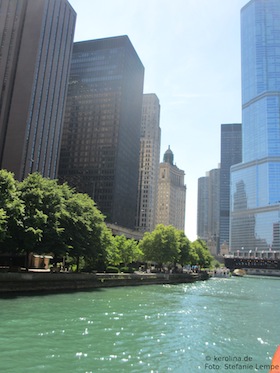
215 325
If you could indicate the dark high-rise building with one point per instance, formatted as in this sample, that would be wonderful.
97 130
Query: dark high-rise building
255 183
231 153
101 138
36 38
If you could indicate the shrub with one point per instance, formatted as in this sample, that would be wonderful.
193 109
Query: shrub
111 269
127 270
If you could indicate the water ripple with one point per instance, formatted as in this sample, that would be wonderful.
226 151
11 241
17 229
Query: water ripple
140 329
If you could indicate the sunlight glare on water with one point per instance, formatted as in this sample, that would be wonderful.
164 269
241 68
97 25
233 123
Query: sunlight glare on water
172 328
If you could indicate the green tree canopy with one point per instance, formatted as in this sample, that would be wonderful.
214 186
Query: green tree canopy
161 245
43 204
187 252
125 251
39 215
107 246
11 211
83 227
205 258
3 224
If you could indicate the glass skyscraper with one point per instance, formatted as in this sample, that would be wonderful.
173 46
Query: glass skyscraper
231 153
255 183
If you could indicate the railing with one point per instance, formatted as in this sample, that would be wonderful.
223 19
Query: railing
264 254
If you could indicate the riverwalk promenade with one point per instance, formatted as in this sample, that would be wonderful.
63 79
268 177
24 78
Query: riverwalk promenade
46 282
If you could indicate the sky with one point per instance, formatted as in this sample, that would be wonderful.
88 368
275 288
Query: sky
191 53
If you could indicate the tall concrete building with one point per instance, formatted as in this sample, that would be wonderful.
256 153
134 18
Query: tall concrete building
255 183
208 209
149 163
101 136
202 207
171 203
36 38
231 154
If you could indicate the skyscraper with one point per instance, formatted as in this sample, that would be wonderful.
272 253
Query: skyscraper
101 136
202 207
231 154
149 163
35 52
208 209
214 210
171 201
255 183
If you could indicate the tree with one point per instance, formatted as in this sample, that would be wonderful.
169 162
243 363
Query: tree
125 251
39 215
3 224
161 245
43 203
11 211
205 258
132 252
187 252
107 246
84 228
59 220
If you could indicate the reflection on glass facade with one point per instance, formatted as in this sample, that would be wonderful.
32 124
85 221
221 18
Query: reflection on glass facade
101 134
231 153
255 183
208 209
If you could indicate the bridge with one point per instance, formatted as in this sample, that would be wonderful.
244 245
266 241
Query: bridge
117 230
253 260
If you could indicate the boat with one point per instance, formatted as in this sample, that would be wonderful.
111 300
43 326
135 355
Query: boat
239 272
275 364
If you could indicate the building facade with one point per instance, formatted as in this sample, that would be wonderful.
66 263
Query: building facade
148 163
255 183
101 136
202 207
231 154
36 45
208 209
171 203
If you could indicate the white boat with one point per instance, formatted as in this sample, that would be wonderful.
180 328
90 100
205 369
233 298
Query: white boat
239 272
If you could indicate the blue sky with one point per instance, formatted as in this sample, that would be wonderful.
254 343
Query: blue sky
191 53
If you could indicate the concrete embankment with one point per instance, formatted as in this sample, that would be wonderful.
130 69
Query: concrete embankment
46 282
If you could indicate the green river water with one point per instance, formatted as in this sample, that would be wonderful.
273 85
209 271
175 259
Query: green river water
225 325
